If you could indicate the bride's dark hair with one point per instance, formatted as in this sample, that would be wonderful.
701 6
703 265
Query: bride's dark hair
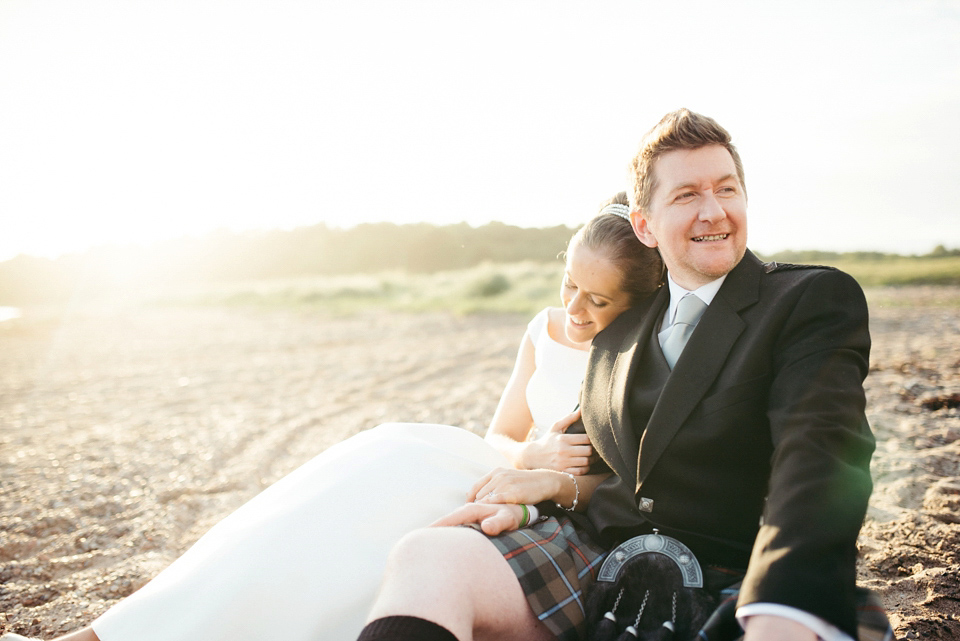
641 269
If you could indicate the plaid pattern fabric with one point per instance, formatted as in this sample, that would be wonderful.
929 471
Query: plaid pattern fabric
872 622
555 565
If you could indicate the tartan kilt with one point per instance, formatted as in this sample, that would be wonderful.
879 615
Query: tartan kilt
556 564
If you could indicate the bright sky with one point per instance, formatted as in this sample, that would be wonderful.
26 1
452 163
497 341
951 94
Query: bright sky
136 120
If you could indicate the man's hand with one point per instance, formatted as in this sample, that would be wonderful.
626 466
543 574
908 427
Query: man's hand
766 627
493 519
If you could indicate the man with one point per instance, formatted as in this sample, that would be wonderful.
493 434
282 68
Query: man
745 439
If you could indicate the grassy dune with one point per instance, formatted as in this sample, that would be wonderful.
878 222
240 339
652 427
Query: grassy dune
523 287
901 270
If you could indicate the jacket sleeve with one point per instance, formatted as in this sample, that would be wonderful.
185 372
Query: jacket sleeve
805 553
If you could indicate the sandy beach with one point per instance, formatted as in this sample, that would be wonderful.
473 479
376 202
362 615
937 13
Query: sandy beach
126 433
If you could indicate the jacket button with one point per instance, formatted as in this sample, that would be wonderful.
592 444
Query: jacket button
645 504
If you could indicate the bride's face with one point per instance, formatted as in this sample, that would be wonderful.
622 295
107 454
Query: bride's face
591 293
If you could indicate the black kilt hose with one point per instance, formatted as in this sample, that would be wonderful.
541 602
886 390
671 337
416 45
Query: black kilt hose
557 563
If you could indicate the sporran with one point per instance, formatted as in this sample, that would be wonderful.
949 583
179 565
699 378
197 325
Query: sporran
648 588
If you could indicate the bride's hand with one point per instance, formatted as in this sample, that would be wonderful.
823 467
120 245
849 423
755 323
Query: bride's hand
492 519
560 451
507 485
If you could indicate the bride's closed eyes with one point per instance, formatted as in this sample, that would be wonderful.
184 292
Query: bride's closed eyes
572 287
591 292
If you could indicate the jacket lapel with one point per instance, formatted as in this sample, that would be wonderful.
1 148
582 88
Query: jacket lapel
621 378
701 361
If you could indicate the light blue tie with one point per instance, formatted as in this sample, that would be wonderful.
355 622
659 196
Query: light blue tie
689 310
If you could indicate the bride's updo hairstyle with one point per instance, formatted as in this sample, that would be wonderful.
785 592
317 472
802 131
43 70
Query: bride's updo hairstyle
611 234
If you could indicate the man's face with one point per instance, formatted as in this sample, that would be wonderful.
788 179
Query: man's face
697 215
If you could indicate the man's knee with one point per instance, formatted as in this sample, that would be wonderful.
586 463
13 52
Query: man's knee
428 576
437 550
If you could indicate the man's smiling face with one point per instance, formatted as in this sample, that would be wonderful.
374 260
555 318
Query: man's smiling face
697 215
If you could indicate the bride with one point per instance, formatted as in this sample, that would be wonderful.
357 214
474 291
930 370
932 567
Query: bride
302 560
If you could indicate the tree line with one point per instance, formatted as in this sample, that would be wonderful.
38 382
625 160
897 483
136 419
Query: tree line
309 251
316 250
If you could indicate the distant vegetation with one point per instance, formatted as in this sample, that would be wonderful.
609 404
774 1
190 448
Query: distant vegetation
223 257
411 267
939 267
523 287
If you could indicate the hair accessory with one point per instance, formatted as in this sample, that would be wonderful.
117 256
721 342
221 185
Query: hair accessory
576 497
617 210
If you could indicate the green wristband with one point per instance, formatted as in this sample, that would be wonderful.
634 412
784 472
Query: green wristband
526 515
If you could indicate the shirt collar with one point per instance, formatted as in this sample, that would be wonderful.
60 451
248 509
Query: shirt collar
706 293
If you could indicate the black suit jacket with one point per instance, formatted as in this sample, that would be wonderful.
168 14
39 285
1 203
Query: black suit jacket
761 418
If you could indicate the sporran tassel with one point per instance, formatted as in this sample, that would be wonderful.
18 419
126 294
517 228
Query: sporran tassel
630 634
664 633
607 628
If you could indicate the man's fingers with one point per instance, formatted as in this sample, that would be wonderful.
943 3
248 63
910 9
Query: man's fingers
469 513
493 519
501 521
496 524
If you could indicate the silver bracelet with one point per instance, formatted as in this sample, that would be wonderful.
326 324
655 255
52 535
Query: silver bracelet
576 498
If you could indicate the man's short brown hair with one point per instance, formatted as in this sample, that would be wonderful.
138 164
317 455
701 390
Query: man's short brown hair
680 129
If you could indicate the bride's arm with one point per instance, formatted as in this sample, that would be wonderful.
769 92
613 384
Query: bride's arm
498 495
512 423
512 420
504 485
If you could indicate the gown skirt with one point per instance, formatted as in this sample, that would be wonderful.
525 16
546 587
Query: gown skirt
302 560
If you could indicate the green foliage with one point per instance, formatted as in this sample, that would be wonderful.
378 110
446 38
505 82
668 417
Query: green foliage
487 286
905 271
518 287
940 251
875 269
310 251
369 264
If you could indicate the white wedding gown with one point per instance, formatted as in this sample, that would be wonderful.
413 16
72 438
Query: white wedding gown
302 560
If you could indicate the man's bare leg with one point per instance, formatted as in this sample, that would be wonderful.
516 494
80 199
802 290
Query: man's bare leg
456 578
